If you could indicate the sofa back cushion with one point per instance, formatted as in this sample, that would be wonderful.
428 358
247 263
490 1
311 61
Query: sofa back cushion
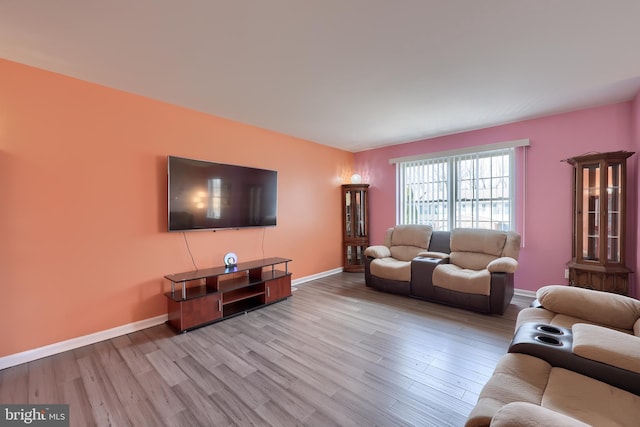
475 248
471 260
411 235
405 253
406 241
604 308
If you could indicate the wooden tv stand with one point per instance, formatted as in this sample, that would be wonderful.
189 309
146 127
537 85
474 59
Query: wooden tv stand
213 294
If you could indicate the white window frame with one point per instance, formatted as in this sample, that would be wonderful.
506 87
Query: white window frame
440 191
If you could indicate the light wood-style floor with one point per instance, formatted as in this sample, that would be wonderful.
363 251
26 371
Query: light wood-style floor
334 354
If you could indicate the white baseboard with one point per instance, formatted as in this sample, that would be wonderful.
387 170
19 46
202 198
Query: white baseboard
59 347
524 293
302 280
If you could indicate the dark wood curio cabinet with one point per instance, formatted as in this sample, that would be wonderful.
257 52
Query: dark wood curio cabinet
355 225
599 222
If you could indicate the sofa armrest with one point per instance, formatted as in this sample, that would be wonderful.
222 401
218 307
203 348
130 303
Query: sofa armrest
636 328
437 255
607 346
377 251
503 265
518 414
604 308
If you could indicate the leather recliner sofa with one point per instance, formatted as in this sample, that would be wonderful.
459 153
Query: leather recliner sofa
468 268
590 376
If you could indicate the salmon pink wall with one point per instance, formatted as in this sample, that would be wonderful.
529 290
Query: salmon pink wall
546 209
83 216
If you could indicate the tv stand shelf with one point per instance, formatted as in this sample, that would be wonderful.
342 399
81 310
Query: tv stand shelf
213 294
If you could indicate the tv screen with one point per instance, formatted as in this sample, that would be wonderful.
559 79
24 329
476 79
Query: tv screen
209 196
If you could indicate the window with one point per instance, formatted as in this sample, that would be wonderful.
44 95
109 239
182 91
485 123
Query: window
214 210
459 189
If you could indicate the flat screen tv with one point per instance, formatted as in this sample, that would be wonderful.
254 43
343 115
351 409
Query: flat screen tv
212 196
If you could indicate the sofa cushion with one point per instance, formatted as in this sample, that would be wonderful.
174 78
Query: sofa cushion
517 378
452 277
607 346
590 401
471 260
541 315
598 307
405 253
392 269
524 414
479 240
411 235
523 378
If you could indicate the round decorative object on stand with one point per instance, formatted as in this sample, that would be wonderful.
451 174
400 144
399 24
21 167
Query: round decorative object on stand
230 259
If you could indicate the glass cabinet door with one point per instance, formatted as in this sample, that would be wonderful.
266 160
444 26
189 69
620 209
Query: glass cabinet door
355 214
591 212
614 216
600 188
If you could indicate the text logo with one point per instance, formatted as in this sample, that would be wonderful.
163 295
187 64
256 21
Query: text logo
34 415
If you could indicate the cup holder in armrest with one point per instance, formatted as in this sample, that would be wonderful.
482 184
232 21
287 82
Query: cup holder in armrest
549 329
554 344
545 339
551 343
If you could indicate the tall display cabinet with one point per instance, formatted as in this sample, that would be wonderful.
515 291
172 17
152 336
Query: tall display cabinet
599 222
355 225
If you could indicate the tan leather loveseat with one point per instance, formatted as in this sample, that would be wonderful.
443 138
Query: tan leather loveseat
467 268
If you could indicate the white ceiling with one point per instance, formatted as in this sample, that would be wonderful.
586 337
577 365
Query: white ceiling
354 74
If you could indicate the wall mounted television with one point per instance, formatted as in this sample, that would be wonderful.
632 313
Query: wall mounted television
205 195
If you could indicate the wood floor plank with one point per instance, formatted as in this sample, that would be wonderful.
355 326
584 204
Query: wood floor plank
14 384
65 366
335 354
200 375
162 397
276 372
106 408
42 381
166 367
276 416
329 410
204 409
294 405
252 396
132 354
75 395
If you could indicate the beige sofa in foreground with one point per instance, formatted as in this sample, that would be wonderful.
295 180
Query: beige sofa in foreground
591 376
527 391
